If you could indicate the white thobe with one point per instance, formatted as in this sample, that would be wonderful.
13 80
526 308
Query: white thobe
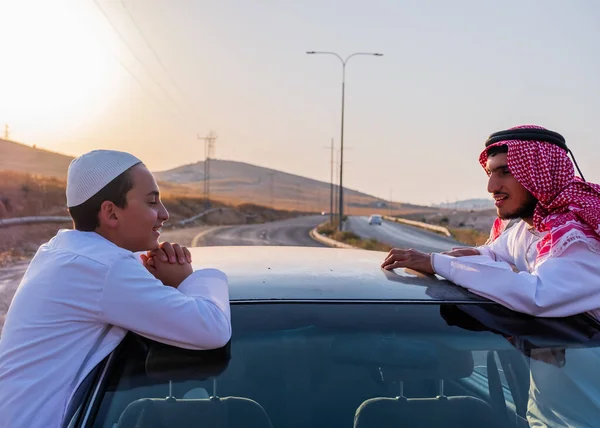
556 287
77 300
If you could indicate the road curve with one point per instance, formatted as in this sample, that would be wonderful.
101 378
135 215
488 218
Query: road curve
401 235
291 232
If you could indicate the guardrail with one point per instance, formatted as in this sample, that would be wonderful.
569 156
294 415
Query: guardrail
29 220
13 221
202 214
420 224
197 216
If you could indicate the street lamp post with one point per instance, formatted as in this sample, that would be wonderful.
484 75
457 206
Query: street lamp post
344 62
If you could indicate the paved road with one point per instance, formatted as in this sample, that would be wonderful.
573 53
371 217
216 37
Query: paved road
401 235
286 232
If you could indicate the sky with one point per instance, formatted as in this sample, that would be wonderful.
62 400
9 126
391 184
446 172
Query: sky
150 76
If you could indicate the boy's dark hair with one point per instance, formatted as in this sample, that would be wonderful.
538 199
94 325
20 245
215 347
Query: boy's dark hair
85 216
495 150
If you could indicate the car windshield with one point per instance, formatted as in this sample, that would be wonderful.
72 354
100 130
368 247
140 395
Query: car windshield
376 364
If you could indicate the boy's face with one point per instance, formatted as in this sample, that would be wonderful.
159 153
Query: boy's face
512 199
137 226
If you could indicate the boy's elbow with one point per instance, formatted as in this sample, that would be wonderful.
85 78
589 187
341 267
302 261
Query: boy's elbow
216 335
223 333
222 340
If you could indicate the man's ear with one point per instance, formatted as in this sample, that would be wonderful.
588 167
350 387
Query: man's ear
108 215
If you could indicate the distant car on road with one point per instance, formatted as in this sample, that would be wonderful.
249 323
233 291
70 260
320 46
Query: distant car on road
376 219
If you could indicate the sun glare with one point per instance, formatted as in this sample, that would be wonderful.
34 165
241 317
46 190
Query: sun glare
56 63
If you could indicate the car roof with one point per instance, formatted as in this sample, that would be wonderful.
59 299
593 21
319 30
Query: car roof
276 273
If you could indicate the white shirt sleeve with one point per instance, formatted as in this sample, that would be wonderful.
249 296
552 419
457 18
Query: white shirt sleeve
194 316
497 249
558 287
485 250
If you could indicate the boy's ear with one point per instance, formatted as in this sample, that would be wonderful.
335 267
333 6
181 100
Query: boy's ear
108 214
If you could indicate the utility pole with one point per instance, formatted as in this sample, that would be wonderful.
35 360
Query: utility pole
6 133
271 175
331 185
336 187
391 203
209 149
346 200
297 197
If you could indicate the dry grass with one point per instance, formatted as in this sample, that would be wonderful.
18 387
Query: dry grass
352 239
468 236
468 227
28 195
22 241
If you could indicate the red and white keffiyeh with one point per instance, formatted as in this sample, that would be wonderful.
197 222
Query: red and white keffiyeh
568 207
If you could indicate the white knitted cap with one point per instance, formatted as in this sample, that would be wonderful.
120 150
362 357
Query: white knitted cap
90 172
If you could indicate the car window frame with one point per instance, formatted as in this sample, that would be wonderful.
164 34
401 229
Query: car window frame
84 417
87 412
84 397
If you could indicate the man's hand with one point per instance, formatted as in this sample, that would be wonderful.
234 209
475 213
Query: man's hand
170 263
412 259
462 252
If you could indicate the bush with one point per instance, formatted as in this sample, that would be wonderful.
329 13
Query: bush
353 239
348 236
469 236
326 229
374 245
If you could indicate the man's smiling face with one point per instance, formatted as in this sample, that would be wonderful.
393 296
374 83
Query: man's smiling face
512 199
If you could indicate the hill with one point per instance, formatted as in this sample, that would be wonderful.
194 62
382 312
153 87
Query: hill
231 182
243 182
476 204
21 158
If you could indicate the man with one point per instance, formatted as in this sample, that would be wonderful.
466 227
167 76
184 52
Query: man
86 288
548 264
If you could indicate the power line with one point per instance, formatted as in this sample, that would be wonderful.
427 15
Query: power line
145 39
157 100
134 54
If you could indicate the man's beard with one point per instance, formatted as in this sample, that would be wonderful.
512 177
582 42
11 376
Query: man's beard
524 211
